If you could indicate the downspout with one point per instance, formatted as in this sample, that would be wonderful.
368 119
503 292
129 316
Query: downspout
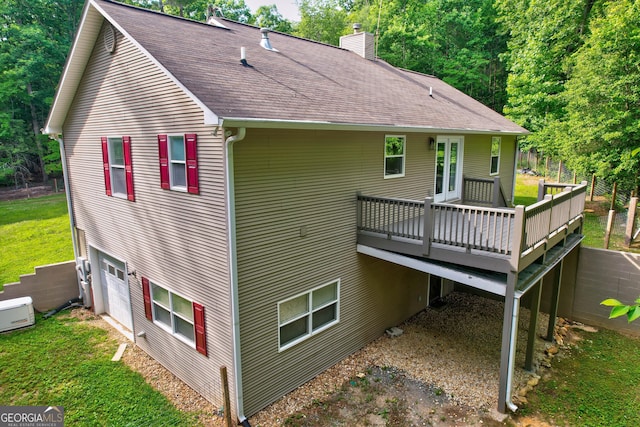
67 191
233 263
512 353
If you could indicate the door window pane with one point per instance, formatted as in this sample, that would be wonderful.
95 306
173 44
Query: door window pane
453 166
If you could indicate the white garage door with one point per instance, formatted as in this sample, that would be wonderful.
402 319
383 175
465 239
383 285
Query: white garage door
115 290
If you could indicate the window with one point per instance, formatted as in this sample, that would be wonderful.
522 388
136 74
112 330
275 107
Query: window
177 315
178 162
307 314
495 155
394 153
117 165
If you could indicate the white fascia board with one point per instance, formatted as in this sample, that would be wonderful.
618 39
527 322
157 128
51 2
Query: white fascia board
210 118
493 286
234 122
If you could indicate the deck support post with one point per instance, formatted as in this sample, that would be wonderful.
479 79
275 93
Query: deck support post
555 298
509 339
533 326
495 203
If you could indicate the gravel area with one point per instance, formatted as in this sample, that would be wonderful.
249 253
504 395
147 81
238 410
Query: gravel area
455 348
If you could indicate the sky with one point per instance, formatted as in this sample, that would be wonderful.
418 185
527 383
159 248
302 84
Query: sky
287 8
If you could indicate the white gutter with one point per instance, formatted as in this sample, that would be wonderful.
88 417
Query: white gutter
233 267
322 125
67 191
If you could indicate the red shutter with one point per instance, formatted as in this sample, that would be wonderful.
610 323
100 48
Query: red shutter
128 167
191 140
201 336
146 296
163 153
105 165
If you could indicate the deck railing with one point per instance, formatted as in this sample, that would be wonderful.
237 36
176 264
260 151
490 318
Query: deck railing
483 191
521 234
486 229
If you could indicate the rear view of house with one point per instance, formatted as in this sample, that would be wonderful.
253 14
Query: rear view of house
235 192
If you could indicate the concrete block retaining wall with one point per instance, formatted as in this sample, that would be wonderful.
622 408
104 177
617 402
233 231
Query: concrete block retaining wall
50 286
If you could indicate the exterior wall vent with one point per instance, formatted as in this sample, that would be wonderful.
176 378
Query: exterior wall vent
360 42
109 39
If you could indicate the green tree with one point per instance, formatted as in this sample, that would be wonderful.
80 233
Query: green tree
35 38
322 20
269 17
542 36
603 97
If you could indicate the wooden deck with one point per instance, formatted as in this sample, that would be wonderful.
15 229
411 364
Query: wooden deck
497 239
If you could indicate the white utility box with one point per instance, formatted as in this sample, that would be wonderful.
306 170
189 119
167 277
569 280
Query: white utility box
16 313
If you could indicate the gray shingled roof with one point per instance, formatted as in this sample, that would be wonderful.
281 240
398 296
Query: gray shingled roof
304 81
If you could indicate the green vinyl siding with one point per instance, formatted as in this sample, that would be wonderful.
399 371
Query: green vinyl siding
124 93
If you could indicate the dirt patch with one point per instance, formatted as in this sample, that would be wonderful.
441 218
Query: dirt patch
387 397
25 193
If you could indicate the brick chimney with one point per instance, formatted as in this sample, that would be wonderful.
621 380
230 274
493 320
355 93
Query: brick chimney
360 42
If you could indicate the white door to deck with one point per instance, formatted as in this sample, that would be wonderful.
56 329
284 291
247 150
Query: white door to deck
115 290
448 182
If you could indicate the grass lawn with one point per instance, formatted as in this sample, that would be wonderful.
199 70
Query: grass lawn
33 232
597 385
62 361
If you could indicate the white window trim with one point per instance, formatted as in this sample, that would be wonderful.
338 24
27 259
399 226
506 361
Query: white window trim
171 162
491 156
310 332
403 156
170 328
112 166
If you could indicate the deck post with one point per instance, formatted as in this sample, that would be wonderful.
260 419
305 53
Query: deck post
533 326
518 236
555 298
541 189
509 339
426 231
496 192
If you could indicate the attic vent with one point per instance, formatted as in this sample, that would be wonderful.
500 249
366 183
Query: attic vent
265 42
109 39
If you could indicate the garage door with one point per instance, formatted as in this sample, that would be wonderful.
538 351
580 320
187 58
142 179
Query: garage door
115 290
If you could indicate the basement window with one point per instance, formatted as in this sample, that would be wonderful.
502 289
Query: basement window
394 155
307 314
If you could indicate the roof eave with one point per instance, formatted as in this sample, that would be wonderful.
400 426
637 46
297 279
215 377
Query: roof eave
235 122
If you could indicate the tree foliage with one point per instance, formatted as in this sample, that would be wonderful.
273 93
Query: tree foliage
619 309
603 97
35 37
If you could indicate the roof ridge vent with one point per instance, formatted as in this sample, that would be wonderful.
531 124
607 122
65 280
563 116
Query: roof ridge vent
265 42
212 13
